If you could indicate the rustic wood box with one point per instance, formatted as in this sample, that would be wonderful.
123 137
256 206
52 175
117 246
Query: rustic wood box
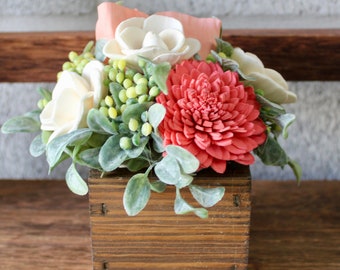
158 238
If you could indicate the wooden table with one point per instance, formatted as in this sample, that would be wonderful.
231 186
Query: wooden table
44 226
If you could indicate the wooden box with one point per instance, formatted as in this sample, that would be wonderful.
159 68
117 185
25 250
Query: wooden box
157 238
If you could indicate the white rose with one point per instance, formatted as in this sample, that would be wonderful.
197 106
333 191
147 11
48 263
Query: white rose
270 81
72 98
158 38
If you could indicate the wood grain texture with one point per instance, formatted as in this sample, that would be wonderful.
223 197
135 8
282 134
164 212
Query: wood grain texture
44 226
295 227
301 55
37 56
158 238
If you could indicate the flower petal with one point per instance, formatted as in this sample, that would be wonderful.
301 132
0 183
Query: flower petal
131 38
112 48
61 130
158 23
248 62
194 47
54 115
94 73
172 58
219 165
277 77
85 104
272 90
153 40
70 80
173 39
209 29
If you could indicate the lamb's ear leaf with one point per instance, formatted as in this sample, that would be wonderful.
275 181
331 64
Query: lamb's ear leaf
137 194
20 124
58 145
75 182
181 207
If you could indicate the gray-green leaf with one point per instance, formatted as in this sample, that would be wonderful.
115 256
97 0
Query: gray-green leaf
271 153
181 207
21 124
168 170
207 197
284 121
44 93
136 151
156 114
224 46
74 181
37 147
111 156
137 194
187 161
57 146
99 123
89 158
296 168
158 186
157 143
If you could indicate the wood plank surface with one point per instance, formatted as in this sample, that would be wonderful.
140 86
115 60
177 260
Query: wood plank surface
309 54
44 226
158 238
295 227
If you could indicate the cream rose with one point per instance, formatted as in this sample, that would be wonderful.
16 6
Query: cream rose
72 98
270 81
158 38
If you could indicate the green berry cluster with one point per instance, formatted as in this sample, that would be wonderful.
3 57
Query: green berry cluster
128 87
76 62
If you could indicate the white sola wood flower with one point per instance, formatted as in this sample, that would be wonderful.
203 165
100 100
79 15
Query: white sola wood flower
271 82
72 98
158 38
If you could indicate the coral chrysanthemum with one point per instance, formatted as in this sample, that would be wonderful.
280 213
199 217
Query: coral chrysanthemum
212 114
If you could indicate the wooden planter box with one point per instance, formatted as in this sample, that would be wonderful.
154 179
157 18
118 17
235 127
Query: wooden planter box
158 238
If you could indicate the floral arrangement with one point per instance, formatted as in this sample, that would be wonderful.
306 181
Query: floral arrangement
162 94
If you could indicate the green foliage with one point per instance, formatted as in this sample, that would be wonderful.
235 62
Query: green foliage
229 64
89 158
23 123
207 197
56 147
224 47
188 162
137 194
45 93
181 207
74 181
111 156
99 49
277 122
98 123
37 147
159 72
156 114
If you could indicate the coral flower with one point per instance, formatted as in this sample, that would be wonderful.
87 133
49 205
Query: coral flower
211 114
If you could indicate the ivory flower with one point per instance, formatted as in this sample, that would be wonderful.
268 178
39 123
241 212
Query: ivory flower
72 98
205 30
211 114
270 81
158 38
